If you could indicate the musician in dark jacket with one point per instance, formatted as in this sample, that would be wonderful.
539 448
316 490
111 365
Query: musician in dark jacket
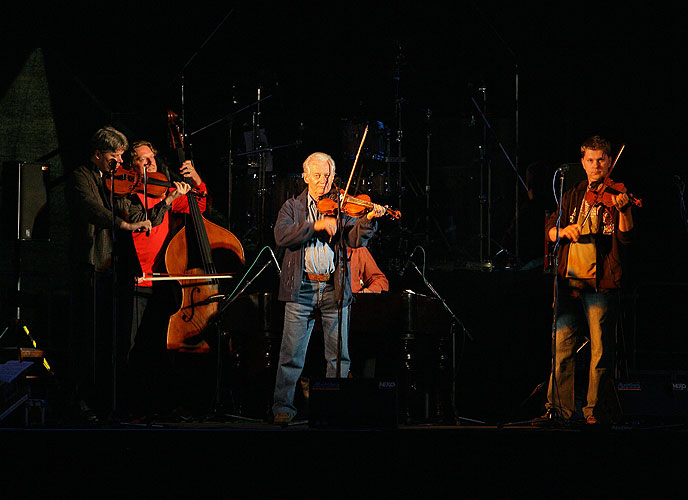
591 238
311 279
93 279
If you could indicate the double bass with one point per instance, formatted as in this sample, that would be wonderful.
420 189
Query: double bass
189 257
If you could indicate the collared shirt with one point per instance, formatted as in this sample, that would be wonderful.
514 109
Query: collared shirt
318 255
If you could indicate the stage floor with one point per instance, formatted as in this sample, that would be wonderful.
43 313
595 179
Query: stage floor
249 459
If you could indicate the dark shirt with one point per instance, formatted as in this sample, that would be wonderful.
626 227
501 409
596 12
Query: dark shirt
92 221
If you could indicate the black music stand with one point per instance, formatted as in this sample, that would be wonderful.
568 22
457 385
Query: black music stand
215 323
455 321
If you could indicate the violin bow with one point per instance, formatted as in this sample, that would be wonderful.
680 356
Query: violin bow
145 194
351 175
616 159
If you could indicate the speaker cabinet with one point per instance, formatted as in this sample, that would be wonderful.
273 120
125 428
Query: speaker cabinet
353 403
655 395
25 200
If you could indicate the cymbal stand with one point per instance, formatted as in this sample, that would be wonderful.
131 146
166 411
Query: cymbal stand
261 166
230 157
486 198
428 135
466 333
399 159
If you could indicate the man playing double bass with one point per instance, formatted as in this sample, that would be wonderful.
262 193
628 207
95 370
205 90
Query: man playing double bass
590 272
311 279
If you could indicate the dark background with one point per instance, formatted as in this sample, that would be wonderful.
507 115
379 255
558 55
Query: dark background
552 77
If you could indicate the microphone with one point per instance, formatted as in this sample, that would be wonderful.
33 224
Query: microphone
274 259
564 168
408 263
113 164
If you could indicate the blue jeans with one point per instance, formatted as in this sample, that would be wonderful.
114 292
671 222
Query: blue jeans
578 309
299 318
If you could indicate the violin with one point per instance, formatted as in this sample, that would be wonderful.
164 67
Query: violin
605 192
129 181
353 206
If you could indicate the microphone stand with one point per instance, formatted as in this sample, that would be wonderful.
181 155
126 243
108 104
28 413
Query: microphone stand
455 321
555 315
114 355
553 412
342 258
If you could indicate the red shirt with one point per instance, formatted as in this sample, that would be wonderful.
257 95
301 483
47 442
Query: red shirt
365 273
149 248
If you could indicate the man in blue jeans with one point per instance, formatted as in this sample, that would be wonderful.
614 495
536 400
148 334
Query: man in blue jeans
311 279
591 237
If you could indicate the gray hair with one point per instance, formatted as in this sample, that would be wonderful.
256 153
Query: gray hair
318 156
109 139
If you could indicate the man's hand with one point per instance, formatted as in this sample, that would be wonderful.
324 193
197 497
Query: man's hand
136 227
377 211
188 170
621 201
181 188
571 232
327 224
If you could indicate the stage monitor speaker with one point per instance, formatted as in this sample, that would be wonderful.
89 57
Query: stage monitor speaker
655 395
353 403
25 194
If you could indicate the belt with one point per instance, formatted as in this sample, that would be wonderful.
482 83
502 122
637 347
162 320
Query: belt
318 277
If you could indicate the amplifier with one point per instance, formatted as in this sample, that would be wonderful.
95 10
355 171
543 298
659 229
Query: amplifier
353 403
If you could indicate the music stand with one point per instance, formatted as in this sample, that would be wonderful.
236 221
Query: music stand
455 321
215 323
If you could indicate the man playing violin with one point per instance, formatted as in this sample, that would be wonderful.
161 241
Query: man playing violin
591 238
150 247
311 279
92 251
153 304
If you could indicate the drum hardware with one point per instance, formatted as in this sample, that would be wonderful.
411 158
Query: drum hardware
485 196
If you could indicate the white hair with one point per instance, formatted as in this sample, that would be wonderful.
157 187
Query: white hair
318 156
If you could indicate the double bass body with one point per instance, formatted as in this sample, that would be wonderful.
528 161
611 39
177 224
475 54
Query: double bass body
189 254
